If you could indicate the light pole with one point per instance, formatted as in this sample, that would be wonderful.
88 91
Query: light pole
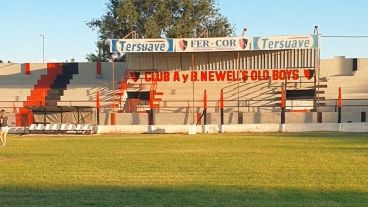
43 48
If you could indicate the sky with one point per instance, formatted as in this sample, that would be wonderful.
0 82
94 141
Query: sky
66 35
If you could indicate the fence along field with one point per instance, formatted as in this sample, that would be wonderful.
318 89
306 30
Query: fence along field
324 169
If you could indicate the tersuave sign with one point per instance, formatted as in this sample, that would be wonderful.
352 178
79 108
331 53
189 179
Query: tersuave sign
214 44
141 45
226 75
285 42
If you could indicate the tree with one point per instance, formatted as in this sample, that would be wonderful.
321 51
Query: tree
157 19
102 52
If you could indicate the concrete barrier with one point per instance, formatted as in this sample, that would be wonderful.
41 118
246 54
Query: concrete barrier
354 127
251 128
187 129
123 129
312 127
236 128
17 130
140 129
209 129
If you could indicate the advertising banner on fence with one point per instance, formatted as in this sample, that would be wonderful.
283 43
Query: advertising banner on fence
213 44
141 45
285 42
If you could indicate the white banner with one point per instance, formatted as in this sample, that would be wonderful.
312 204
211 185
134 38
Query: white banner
212 44
286 42
141 45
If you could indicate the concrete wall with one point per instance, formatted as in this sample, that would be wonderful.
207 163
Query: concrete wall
329 117
312 127
354 127
336 67
124 118
238 128
301 117
132 118
189 129
244 128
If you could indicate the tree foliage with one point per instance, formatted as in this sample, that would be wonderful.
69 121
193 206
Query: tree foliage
157 19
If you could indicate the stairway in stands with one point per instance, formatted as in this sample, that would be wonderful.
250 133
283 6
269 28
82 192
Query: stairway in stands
120 95
132 82
60 83
40 90
154 99
320 92
47 91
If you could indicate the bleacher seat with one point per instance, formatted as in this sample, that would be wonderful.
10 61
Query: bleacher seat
32 127
48 127
40 127
61 128
55 127
88 128
71 127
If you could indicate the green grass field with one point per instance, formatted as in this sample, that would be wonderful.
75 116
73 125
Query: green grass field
322 169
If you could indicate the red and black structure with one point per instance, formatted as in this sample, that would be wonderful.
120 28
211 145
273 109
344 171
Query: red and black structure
283 105
339 104
205 107
222 106
98 106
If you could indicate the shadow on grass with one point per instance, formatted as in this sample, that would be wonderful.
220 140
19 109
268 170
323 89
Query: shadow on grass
179 196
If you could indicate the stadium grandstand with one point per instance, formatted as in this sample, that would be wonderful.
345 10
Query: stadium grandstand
192 81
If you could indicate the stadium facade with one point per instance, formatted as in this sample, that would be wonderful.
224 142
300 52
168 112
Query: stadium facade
192 81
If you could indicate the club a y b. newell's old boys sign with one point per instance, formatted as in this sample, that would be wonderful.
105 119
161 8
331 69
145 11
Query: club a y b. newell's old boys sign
286 42
213 44
225 75
141 45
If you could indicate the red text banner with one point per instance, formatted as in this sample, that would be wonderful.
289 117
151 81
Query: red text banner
226 75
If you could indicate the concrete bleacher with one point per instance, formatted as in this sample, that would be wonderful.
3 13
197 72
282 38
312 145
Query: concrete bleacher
254 96
262 95
83 87
257 96
251 93
15 85
353 87
339 73
353 84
